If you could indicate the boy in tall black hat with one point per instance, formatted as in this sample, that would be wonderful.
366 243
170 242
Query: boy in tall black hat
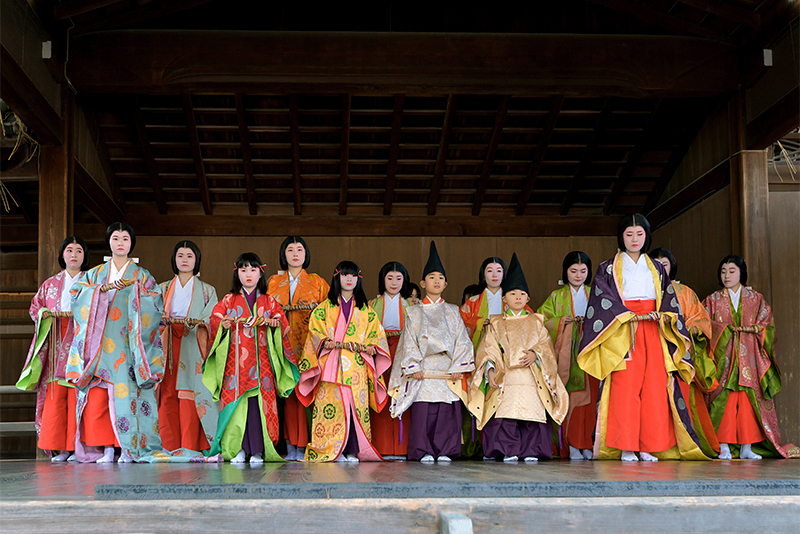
515 392
433 353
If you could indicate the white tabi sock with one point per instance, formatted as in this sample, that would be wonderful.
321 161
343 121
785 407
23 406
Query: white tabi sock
61 457
256 459
575 454
747 453
108 456
629 456
125 458
239 458
647 457
587 453
724 452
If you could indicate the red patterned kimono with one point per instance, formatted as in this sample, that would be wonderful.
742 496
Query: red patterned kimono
249 366
747 372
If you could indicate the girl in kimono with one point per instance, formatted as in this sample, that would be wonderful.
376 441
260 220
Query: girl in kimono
299 292
187 416
516 392
45 367
742 406
705 380
390 436
635 341
433 354
345 356
488 301
250 363
564 312
116 357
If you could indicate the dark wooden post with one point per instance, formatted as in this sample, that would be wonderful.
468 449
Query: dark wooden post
56 194
749 203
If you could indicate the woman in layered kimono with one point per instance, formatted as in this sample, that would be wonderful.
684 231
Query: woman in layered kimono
489 301
516 392
187 415
249 365
742 406
390 436
705 380
45 367
299 292
635 341
116 357
564 311
345 356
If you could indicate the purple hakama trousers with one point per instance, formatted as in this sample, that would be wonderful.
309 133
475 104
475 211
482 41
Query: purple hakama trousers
512 437
435 429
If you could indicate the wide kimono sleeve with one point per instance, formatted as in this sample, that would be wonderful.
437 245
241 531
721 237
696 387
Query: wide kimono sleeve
282 358
483 399
214 364
548 309
407 361
310 365
698 324
474 312
31 377
462 354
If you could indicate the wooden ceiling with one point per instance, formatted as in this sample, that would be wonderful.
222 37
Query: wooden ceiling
480 142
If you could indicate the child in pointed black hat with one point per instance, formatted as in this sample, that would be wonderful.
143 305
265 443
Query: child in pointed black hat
516 393
433 353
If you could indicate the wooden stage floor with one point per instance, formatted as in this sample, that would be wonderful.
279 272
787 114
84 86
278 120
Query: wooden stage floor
34 480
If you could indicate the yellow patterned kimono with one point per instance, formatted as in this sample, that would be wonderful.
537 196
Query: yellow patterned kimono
344 380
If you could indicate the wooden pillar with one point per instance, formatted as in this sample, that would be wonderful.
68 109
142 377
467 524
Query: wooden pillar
749 203
56 195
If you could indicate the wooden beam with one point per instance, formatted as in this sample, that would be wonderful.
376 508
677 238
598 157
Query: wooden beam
149 159
394 153
139 14
586 158
441 156
775 122
173 62
691 195
311 225
79 7
633 160
668 171
197 154
27 102
28 236
727 11
345 154
483 181
89 193
56 189
538 156
294 130
661 19
247 159
101 150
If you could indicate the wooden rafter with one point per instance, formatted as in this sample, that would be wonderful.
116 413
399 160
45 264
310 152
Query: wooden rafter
394 153
294 131
538 157
345 155
247 159
658 18
633 160
727 11
101 149
441 157
483 181
197 154
149 159
19 201
586 158
94 198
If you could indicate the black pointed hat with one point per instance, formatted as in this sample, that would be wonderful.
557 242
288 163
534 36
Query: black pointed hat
515 278
434 264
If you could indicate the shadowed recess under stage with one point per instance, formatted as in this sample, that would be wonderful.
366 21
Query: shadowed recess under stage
34 480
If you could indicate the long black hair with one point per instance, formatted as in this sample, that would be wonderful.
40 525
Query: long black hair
576 256
120 227
390 267
191 246
637 219
662 252
737 261
249 259
482 277
282 253
76 241
347 267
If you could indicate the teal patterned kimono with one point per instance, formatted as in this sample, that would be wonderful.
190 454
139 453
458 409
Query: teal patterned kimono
117 347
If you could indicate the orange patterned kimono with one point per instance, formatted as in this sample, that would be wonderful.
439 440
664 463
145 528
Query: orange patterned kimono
310 291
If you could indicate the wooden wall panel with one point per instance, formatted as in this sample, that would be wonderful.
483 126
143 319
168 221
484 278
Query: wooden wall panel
699 239
785 243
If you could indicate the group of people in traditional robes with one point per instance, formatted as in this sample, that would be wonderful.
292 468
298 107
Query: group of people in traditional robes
633 366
